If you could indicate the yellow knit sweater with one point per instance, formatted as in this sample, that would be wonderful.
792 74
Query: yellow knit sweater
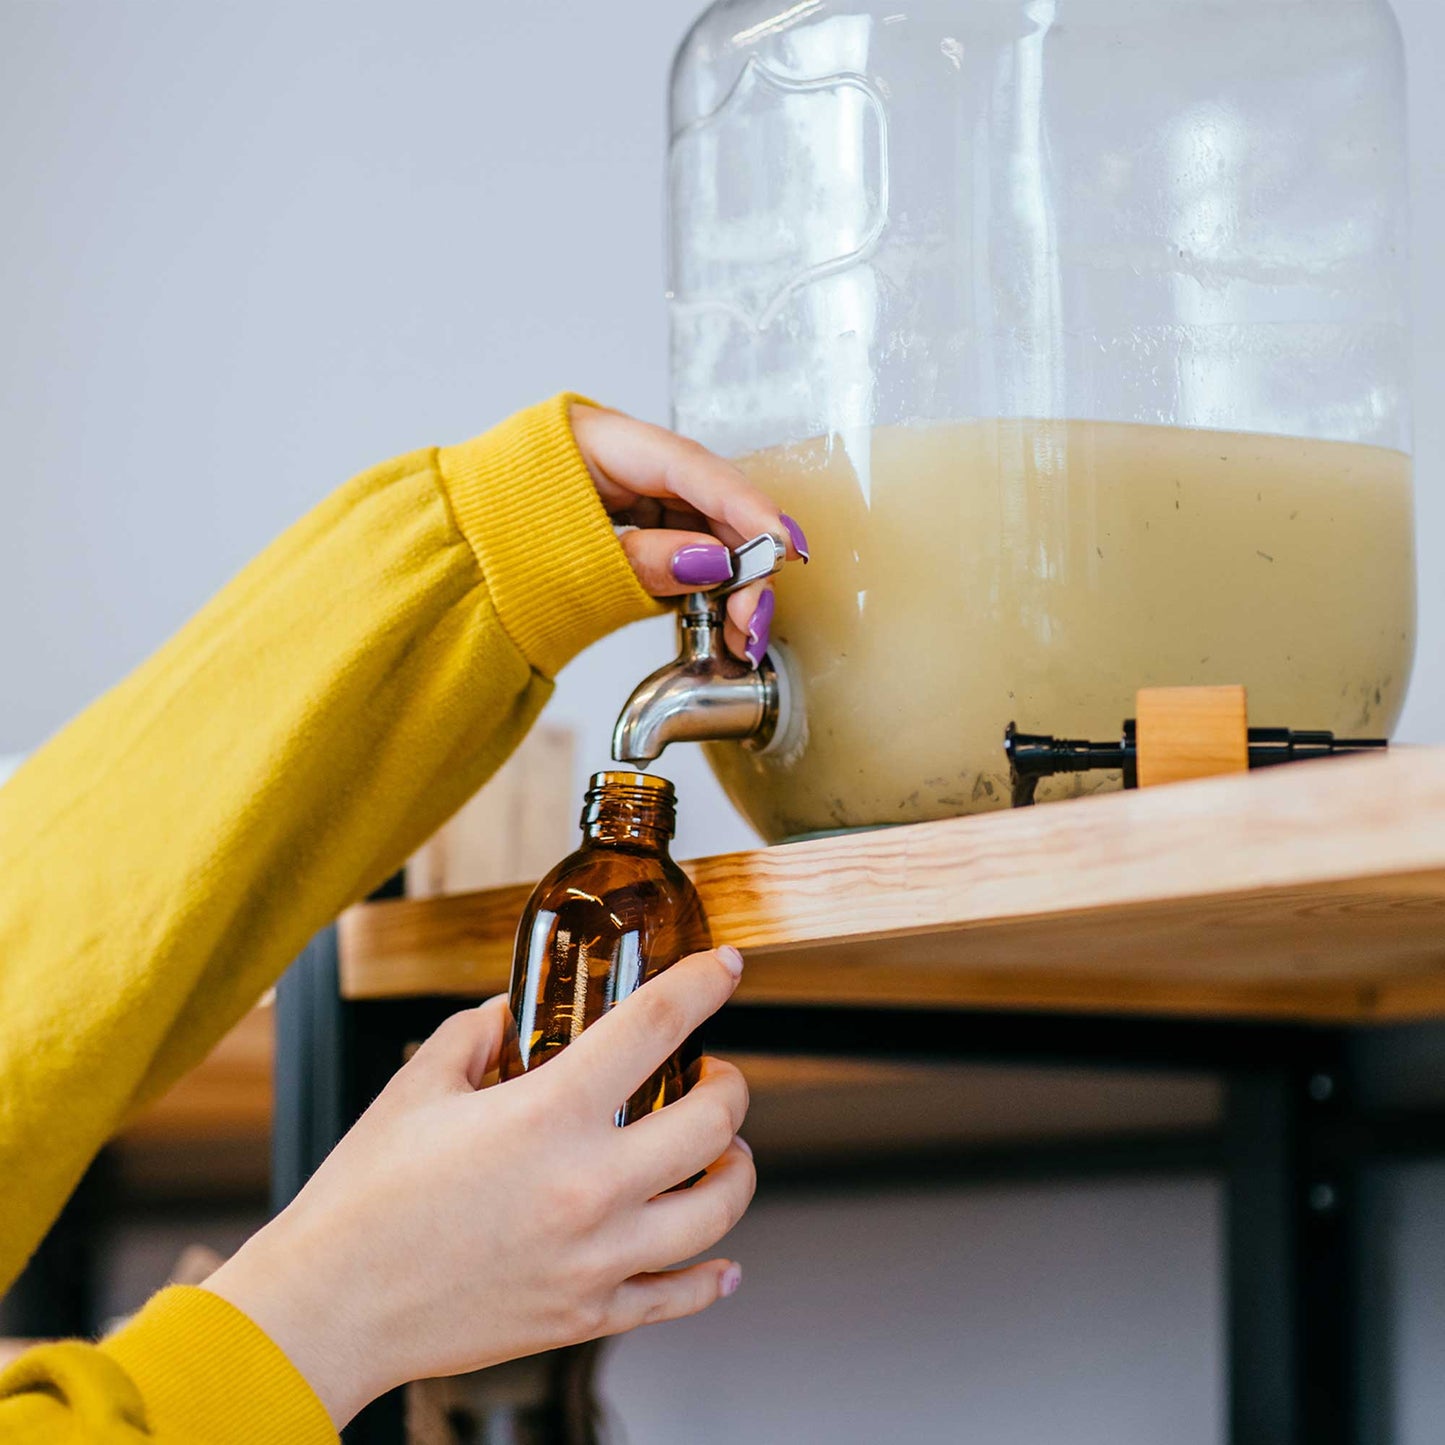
169 852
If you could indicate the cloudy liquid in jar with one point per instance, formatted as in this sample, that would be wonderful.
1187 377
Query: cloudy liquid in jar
966 574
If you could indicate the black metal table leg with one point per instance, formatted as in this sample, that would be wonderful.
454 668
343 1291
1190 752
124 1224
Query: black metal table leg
1292 1253
1328 1205
56 1294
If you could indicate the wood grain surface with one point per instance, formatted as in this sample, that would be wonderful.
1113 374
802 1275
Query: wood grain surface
1312 891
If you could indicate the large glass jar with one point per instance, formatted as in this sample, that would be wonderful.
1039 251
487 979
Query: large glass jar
1075 333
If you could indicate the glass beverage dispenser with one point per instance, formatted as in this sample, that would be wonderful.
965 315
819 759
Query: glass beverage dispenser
1075 333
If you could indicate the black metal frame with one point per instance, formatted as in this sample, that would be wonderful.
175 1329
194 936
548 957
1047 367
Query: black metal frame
55 1294
1294 1153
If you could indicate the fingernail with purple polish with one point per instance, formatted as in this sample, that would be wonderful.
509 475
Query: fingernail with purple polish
759 625
732 1277
796 533
701 565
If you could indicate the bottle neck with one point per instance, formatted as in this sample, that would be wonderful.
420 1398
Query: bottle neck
628 828
629 812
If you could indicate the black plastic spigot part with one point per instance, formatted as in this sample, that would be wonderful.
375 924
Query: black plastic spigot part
1034 756
1268 746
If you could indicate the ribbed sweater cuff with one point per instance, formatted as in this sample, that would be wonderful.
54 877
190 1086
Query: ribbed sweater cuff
524 499
208 1373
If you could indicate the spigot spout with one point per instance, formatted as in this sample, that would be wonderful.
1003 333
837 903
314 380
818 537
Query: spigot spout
704 695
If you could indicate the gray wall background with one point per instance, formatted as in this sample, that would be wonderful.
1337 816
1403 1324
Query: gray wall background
248 249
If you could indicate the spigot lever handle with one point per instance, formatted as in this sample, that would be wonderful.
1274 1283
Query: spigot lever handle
759 557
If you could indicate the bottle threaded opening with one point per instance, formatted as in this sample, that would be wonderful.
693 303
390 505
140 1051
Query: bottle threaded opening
644 784
629 805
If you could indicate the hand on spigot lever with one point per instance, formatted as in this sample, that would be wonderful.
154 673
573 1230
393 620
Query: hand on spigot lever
689 507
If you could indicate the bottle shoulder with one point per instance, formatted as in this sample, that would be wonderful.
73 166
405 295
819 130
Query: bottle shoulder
611 891
595 870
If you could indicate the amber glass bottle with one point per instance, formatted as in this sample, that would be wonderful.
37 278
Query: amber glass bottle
606 919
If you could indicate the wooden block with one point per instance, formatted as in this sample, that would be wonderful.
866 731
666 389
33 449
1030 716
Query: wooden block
1190 732
1315 892
516 827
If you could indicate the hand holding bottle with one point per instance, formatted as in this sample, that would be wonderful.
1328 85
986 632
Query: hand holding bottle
689 507
454 1227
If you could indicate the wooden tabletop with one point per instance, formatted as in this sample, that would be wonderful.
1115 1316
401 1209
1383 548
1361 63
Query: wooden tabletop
1314 891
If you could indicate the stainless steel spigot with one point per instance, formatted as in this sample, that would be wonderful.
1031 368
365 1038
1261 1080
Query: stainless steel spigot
706 694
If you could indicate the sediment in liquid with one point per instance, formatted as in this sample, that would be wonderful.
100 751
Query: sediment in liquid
969 573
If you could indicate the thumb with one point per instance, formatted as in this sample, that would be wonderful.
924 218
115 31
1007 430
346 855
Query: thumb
465 1048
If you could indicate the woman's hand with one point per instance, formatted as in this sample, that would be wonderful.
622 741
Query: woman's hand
456 1227
689 507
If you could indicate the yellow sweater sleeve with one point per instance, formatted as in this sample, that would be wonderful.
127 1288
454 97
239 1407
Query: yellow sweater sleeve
190 1369
167 853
